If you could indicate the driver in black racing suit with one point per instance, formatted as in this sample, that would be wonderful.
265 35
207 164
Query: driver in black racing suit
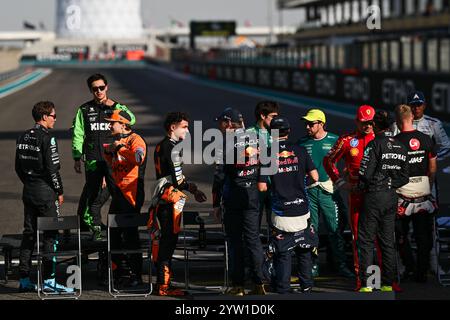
384 168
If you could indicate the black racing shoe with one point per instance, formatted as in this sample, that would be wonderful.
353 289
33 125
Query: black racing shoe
307 290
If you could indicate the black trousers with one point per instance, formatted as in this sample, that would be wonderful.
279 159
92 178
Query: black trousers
92 214
125 238
283 262
377 221
39 201
265 208
167 243
423 235
242 229
93 197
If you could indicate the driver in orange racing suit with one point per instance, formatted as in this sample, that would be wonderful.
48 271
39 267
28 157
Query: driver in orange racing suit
127 157
351 148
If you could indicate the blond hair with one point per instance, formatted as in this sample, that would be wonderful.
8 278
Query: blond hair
402 112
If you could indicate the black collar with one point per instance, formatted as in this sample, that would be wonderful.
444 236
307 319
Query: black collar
38 126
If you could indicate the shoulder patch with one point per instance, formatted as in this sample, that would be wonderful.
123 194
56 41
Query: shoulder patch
348 136
53 141
354 142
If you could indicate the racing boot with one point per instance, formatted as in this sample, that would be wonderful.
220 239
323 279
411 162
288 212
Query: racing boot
25 285
307 290
396 287
258 290
166 290
386 289
96 233
50 285
237 291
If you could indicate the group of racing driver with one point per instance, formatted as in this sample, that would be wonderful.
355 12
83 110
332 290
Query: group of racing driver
388 175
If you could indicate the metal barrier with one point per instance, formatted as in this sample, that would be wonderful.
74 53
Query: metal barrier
13 73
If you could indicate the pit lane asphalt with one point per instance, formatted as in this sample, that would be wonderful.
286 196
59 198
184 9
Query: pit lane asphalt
150 93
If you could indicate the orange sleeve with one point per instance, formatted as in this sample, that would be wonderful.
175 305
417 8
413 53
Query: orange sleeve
135 152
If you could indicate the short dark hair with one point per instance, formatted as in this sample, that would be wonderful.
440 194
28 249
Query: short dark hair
265 108
382 120
174 118
284 132
41 109
95 77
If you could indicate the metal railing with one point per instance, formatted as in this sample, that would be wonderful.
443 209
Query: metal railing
13 73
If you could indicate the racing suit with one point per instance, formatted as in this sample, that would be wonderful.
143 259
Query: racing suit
219 177
37 164
241 202
128 164
168 164
90 131
323 198
290 215
264 197
384 168
351 148
415 204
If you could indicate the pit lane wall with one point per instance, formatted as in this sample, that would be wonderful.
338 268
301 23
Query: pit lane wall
380 89
9 59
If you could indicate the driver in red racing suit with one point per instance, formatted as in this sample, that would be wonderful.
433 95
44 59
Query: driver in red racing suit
351 148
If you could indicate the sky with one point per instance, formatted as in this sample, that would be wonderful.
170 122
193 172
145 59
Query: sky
158 13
